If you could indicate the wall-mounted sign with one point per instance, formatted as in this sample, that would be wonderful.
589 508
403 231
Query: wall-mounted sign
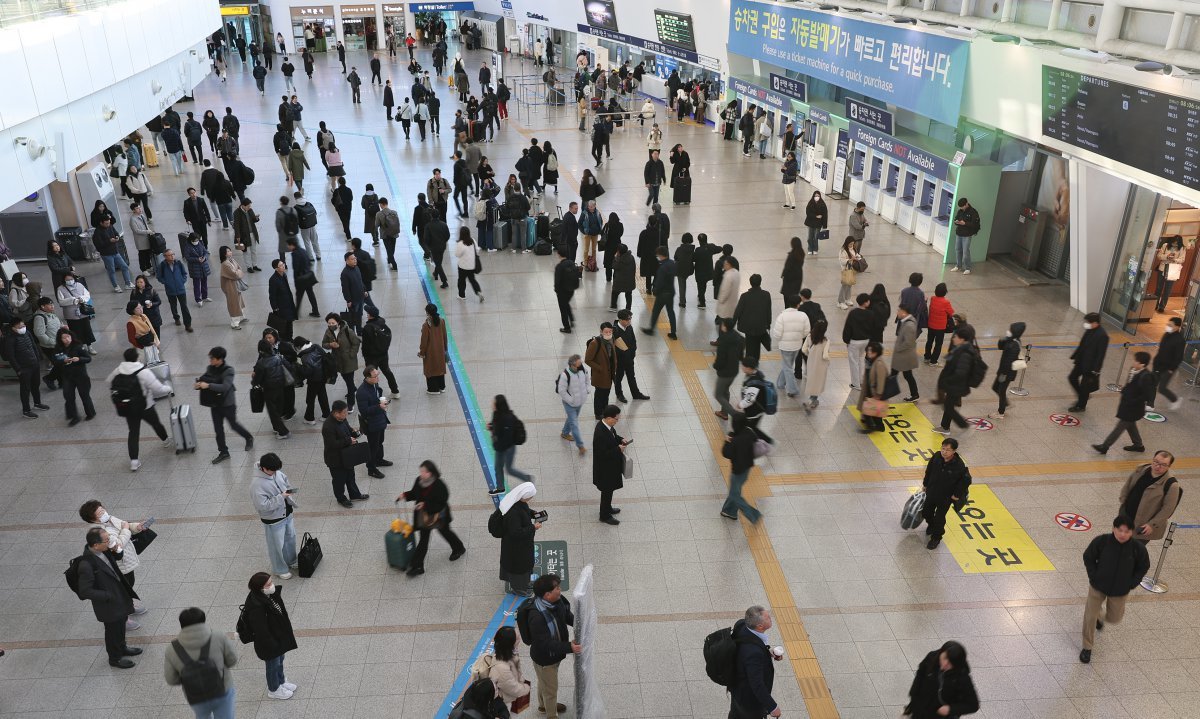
323 11
794 89
870 116
918 71
441 6
818 116
959 158
601 14
759 94
675 29
902 151
648 45
393 9
358 11
235 10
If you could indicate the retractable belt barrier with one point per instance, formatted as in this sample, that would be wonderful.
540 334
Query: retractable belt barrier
1153 583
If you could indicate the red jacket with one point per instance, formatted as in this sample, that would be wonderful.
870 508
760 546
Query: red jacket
940 311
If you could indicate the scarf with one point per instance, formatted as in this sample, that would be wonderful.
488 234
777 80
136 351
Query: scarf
426 483
547 610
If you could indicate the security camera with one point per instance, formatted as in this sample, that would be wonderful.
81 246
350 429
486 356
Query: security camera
32 146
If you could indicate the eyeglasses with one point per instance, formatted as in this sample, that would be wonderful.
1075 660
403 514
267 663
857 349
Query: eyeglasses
1158 463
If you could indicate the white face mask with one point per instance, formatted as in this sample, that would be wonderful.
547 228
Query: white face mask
1008 333
1086 326
195 242
70 283
1169 328
269 589
104 517
22 330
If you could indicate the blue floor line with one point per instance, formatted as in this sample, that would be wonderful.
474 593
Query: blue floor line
505 616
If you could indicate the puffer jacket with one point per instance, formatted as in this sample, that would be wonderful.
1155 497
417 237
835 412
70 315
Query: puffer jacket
45 328
573 386
789 329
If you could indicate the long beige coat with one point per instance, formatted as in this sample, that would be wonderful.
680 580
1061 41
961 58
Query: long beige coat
816 368
231 272
727 296
434 346
874 381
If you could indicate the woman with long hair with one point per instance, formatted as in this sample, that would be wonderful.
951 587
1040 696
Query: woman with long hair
611 235
793 272
432 511
816 218
503 667
145 295
504 440
816 363
849 277
433 350
231 279
466 254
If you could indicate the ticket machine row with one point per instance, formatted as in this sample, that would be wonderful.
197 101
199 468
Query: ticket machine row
902 194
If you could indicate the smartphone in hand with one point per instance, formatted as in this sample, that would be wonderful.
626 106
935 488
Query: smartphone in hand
146 524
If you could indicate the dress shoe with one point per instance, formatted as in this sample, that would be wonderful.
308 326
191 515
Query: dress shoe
415 571
1100 448
615 510
1134 448
1085 656
1099 625
933 542
621 399
384 463
1076 408
456 554
375 473
346 503
712 343
132 651
610 520
721 415
360 498
121 663
641 396
672 336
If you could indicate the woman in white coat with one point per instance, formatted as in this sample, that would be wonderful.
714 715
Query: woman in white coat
816 350
503 667
466 255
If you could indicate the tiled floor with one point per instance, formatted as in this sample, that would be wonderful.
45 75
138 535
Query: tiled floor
872 600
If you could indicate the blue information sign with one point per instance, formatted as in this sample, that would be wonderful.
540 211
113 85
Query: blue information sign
870 116
794 89
759 93
818 116
441 6
918 71
902 151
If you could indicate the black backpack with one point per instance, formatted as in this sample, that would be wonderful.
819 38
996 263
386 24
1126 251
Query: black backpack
72 575
373 202
202 678
720 656
496 524
366 268
306 216
523 620
291 222
127 396
519 435
244 632
312 365
978 371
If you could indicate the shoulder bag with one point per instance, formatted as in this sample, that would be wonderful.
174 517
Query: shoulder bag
849 276
356 454
309 555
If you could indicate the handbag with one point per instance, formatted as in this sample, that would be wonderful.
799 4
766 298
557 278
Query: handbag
859 265
242 286
258 399
599 190
87 309
425 520
627 471
849 277
211 398
1173 271
762 448
309 555
521 703
146 340
306 281
822 234
143 539
356 454
1090 382
891 386
875 407
274 320
1019 364
478 262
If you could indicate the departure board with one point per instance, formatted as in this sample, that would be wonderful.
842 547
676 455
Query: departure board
675 29
1136 126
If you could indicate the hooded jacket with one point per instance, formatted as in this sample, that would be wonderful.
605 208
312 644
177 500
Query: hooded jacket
266 492
151 387
193 639
1010 351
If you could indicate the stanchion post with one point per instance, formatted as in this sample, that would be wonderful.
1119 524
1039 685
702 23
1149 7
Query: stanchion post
1116 386
1019 390
1153 584
1195 380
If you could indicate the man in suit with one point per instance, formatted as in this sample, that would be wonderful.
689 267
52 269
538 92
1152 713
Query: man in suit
354 292
608 462
570 232
373 419
1089 360
623 334
279 294
112 598
750 696
301 267
753 317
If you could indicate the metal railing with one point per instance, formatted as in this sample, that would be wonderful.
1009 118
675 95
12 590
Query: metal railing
15 12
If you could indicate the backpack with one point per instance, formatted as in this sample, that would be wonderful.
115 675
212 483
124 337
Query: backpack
72 575
202 678
768 395
546 76
127 395
306 215
523 621
248 175
720 656
552 162
312 365
559 378
372 204
978 370
496 524
329 367
519 435
366 268
381 334
245 634
291 222
481 211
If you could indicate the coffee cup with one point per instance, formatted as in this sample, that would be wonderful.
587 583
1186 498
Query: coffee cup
777 652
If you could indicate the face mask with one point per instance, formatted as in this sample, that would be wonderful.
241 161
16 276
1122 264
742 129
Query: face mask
1008 333
70 283
1086 326
22 330
1170 328
195 242
104 517
269 589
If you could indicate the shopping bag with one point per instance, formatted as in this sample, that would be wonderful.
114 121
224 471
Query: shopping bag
309 556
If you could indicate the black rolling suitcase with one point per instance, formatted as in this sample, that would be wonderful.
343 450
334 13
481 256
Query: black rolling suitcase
477 130
682 190
543 226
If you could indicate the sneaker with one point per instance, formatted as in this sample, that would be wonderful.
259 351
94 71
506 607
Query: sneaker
1176 404
221 457
281 693
29 415
310 421
118 290
966 272
943 432
496 492
134 464
954 269
289 686
285 575
480 296
167 442
996 415
138 607
912 398
568 437
132 625
285 435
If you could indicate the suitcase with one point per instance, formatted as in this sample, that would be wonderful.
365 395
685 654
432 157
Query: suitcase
557 97
477 131
399 548
543 226
149 155
183 429
554 236
531 233
911 518
161 371
683 190
500 234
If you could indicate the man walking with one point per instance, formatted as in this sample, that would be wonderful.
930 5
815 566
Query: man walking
625 340
195 211
337 435
789 330
288 69
303 275
608 462
600 357
751 692
198 644
729 354
1168 358
376 340
1136 395
548 615
856 332
572 388
655 174
271 494
1114 566
173 276
754 396
111 595
1150 496
1089 360
306 215
946 483
664 293
566 281
372 417
217 392
954 381
753 317
133 391
966 226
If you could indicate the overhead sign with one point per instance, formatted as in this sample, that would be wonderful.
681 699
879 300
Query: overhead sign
902 151
551 558
441 6
985 538
759 93
235 10
675 29
312 11
915 70
818 115
870 116
794 89
649 45
393 8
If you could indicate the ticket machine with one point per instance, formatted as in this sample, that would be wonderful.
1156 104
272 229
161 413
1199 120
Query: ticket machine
887 195
906 198
925 199
858 168
940 227
874 180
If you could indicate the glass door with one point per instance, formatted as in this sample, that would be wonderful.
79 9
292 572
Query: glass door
1126 300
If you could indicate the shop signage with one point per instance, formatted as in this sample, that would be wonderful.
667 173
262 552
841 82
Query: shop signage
918 71
657 48
507 7
794 89
870 116
441 6
902 151
818 116
358 10
393 9
759 93
324 11
228 10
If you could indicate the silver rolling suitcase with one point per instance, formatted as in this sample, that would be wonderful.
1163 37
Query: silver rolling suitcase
161 371
183 429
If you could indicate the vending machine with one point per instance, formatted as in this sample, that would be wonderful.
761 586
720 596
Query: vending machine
906 200
923 228
858 166
887 199
940 227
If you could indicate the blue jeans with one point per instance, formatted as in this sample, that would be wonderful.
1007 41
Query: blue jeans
274 673
735 501
571 426
115 262
962 252
176 161
225 210
281 545
504 461
787 375
762 146
652 194
219 708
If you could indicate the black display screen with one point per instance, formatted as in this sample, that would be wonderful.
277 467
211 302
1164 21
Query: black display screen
675 29
1136 126
601 14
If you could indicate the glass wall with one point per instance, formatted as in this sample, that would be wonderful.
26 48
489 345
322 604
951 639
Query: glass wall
1125 299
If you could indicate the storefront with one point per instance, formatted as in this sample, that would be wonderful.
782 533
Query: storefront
393 22
244 21
359 28
313 27
447 11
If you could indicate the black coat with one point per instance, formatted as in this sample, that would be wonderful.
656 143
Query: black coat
624 273
684 264
101 582
944 480
279 293
647 247
1170 352
1113 568
516 547
1138 392
654 173
611 234
755 673
335 437
929 692
811 212
545 650
566 279
22 351
753 313
739 450
703 259
436 497
664 278
629 336
954 378
1089 355
608 461
730 346
374 345
268 620
353 288
792 275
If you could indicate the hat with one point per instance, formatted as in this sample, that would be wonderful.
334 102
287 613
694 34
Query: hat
524 490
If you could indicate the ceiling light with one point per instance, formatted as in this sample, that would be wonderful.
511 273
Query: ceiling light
1084 54
962 31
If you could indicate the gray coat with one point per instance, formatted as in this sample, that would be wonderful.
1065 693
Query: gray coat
858 226
193 638
220 380
904 354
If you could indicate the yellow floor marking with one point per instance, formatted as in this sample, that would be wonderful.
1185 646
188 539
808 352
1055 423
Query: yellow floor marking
985 538
1050 469
908 439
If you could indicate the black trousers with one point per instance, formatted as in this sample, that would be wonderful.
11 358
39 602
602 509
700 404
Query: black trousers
275 406
934 513
381 363
933 345
462 191
179 307
911 380
437 383
752 423
312 299
1000 387
564 308
315 392
439 273
114 639
465 276
197 153
950 413
150 417
345 218
754 342
600 400
145 260
82 387
663 301
221 415
701 289
606 496
628 298
30 385
375 442
348 378
418 558
1164 379
1076 379
343 481
389 244
625 369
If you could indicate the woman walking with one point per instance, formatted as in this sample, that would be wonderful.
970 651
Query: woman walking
297 163
335 168
467 257
1010 351
816 363
816 218
72 358
231 284
611 235
904 353
433 350
270 628
76 303
516 546
874 384
942 686
849 277
941 315
793 273
505 438
624 278
739 450
432 511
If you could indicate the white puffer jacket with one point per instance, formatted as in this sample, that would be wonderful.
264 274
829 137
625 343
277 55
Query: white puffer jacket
789 329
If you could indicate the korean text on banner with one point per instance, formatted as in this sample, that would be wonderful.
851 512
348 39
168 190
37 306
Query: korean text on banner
915 70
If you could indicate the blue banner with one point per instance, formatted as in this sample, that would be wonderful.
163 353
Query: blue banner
909 155
441 6
870 116
818 115
794 89
759 93
918 71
